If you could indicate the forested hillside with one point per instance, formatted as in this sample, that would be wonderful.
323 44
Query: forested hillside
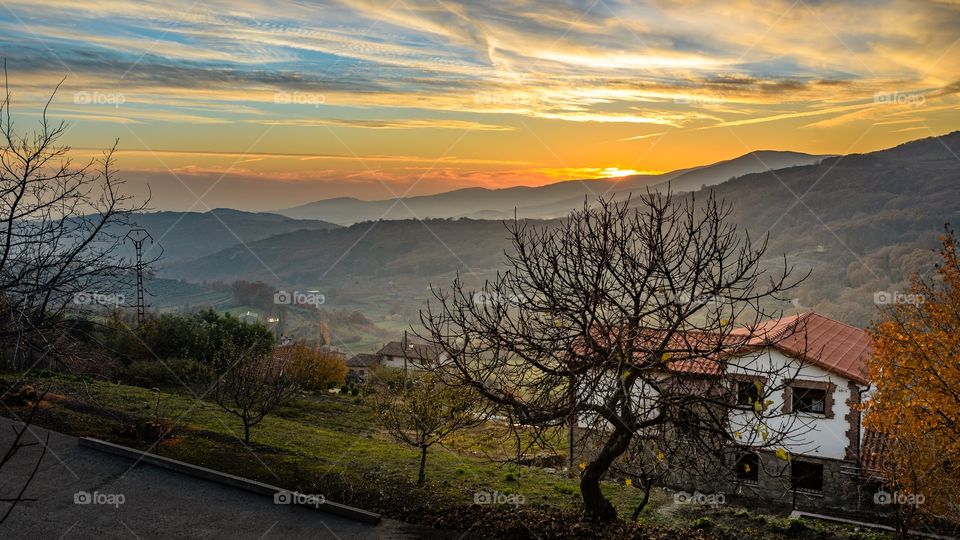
860 223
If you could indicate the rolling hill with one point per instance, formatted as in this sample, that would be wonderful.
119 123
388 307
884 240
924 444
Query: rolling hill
544 202
861 223
188 235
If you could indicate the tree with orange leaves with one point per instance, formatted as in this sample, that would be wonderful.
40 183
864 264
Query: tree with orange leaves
916 405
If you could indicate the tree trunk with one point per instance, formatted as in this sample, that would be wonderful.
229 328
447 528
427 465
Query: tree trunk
595 504
423 465
643 503
246 432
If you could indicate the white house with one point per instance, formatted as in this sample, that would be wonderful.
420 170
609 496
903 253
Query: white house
824 362
410 355
820 364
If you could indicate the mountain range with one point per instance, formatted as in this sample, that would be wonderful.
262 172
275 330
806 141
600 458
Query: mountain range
185 236
860 223
544 202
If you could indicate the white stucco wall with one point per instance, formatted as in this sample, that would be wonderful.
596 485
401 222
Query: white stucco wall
810 434
397 361
807 434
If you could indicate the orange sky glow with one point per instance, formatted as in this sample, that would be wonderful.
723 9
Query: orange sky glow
267 105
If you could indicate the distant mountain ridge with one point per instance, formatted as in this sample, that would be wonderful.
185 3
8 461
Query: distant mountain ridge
543 202
189 235
861 222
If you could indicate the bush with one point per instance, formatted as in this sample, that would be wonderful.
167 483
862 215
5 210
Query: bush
172 372
144 373
789 525
199 336
702 523
313 370
189 371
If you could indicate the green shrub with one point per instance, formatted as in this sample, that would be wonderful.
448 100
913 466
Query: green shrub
169 372
144 373
790 525
703 523
189 371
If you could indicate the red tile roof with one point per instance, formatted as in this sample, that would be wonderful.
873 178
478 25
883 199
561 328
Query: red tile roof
811 337
821 341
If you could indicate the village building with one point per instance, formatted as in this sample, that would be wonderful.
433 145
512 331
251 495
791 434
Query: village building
822 363
359 366
826 361
409 355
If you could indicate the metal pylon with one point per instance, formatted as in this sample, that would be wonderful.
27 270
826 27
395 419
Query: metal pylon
138 237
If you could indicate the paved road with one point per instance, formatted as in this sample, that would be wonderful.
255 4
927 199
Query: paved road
156 503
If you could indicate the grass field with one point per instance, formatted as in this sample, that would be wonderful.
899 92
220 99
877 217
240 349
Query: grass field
330 445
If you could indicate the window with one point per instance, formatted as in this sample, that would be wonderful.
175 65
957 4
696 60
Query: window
806 476
748 392
809 400
748 468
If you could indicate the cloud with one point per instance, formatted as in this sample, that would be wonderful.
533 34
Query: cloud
386 124
640 137
209 74
432 54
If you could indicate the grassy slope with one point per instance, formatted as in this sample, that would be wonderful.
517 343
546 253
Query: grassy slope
329 445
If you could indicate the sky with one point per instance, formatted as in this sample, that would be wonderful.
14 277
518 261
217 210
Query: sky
268 105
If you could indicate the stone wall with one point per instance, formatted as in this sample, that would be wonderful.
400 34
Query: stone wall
773 486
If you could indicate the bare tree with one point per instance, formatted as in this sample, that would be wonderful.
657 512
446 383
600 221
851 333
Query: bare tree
647 462
423 412
252 385
61 232
629 318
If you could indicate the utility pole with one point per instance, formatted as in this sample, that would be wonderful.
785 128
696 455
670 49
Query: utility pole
404 347
138 237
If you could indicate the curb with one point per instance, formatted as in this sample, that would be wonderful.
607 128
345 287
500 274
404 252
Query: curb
341 510
824 517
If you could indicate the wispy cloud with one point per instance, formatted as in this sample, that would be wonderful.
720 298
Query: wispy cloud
386 124
531 81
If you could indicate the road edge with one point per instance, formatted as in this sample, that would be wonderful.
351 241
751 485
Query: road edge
197 471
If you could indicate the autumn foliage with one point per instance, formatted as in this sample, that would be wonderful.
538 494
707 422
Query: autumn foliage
916 405
313 369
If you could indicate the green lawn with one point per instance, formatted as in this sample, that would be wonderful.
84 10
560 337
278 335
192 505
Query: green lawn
330 445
